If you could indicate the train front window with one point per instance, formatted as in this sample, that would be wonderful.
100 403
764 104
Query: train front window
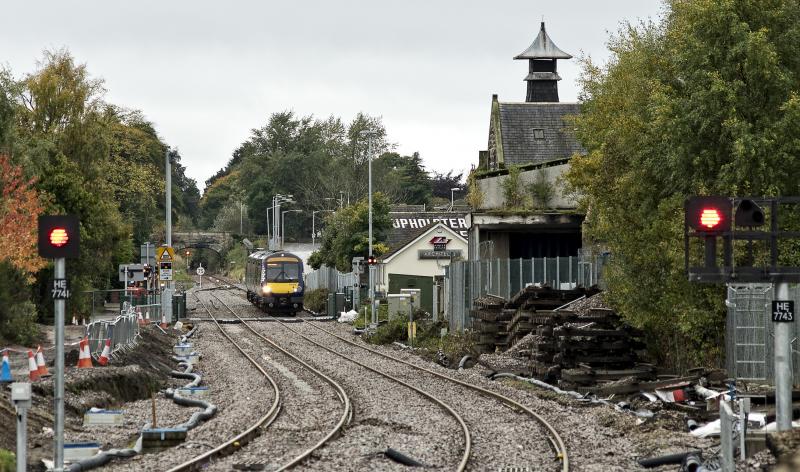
283 272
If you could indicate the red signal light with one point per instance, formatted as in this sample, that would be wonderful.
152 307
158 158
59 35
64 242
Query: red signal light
710 218
58 237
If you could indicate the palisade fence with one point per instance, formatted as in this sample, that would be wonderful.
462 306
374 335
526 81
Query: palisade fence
467 280
749 332
122 331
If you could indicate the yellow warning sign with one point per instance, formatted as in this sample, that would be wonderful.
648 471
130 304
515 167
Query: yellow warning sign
165 254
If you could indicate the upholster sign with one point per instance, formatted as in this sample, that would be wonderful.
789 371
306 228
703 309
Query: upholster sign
458 224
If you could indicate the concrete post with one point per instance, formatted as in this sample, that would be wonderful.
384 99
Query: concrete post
783 365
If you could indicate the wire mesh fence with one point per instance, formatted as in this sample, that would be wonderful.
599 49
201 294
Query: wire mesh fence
467 280
750 332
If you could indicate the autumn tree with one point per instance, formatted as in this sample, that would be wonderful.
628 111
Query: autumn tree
19 210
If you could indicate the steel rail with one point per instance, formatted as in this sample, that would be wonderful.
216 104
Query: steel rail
555 440
467 435
465 430
343 397
244 437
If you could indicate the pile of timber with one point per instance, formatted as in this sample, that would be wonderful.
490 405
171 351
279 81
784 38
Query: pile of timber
490 321
580 352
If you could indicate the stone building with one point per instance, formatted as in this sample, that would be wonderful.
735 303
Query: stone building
536 136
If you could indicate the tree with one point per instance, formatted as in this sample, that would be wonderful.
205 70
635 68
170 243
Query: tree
441 184
346 234
19 211
706 101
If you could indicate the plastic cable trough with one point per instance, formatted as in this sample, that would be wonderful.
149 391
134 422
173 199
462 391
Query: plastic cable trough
241 438
104 457
340 391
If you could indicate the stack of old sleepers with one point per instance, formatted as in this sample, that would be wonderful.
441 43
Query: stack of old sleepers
598 348
530 303
490 322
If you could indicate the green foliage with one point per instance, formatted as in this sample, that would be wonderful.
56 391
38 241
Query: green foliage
513 194
346 234
316 300
91 159
704 102
475 196
321 163
542 191
17 313
395 329
8 461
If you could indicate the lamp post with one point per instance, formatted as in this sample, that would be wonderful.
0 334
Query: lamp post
276 213
241 217
283 221
370 135
314 227
452 191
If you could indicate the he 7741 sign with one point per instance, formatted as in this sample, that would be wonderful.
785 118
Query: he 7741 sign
60 289
783 310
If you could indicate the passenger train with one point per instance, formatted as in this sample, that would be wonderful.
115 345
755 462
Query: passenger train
274 281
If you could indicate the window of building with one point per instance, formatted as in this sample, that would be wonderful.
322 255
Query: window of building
538 133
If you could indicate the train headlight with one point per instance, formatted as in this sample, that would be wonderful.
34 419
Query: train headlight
266 289
297 289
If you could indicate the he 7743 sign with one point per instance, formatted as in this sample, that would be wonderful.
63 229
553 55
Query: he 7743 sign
60 289
783 310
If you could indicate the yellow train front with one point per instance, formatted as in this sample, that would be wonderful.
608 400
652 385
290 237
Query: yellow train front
274 282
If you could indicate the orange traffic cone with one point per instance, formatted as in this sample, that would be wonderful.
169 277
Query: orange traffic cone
40 363
164 323
84 356
33 369
106 352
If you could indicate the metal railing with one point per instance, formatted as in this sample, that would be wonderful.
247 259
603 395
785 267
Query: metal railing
467 280
122 331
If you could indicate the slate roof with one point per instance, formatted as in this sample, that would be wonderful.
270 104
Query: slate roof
407 238
543 48
518 122
398 236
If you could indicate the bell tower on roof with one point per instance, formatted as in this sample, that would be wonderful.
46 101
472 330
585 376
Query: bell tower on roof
542 77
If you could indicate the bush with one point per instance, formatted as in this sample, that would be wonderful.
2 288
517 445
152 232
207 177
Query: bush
316 300
395 329
7 461
18 323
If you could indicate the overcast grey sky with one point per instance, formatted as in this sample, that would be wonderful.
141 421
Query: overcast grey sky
207 72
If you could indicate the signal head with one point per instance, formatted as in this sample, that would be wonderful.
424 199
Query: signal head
708 214
59 236
748 213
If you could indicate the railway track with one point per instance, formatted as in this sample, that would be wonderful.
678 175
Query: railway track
232 444
237 442
444 406
554 439
556 442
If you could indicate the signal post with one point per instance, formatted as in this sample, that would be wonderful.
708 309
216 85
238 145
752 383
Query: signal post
59 238
736 219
